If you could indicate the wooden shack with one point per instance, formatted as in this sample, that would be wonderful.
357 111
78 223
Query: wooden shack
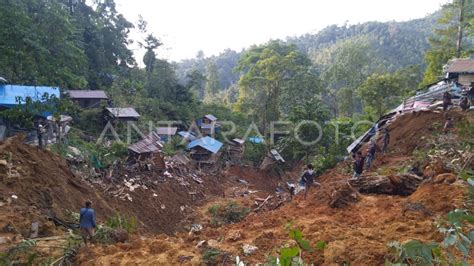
87 99
204 150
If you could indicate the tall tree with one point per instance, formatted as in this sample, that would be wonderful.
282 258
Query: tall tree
39 44
448 42
348 70
213 85
268 72
380 93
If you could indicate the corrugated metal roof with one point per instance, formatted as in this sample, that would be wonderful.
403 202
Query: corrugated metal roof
277 155
170 131
187 135
211 117
9 93
239 141
123 112
207 143
87 94
151 143
461 66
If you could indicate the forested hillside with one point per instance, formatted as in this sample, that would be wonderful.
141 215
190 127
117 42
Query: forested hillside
341 74
389 45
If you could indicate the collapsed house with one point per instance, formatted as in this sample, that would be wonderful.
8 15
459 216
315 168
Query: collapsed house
121 114
459 75
147 152
166 133
205 150
273 157
236 150
87 98
208 125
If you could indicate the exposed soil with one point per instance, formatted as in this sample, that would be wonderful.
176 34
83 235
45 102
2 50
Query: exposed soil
357 232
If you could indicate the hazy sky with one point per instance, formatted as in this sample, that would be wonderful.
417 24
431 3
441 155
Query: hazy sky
187 26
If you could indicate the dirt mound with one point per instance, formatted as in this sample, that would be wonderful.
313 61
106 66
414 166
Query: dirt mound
37 184
355 233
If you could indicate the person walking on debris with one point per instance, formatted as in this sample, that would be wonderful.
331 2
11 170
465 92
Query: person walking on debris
40 130
446 100
308 178
371 153
87 222
386 140
358 165
464 104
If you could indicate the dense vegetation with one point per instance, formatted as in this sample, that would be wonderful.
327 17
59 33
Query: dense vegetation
335 77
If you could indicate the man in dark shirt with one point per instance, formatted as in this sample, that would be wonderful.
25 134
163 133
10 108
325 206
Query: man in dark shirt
446 100
308 178
87 222
358 164
371 153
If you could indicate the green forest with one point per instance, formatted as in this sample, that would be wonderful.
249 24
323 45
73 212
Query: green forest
337 76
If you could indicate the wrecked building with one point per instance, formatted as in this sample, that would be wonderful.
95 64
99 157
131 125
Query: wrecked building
148 151
236 150
273 157
88 98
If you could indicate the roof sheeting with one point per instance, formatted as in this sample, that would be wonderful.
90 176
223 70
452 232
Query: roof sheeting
211 117
87 94
207 143
461 66
187 135
239 141
149 144
276 155
169 131
123 112
9 93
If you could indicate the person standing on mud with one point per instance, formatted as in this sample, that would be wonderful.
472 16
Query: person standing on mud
371 153
446 100
40 132
87 222
358 165
308 178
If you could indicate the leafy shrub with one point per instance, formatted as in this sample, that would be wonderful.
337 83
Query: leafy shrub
119 221
254 152
211 255
292 255
232 212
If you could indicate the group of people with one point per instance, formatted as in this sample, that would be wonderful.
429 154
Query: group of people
361 162
465 102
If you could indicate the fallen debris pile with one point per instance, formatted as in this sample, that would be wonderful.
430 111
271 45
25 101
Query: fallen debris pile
342 195
404 184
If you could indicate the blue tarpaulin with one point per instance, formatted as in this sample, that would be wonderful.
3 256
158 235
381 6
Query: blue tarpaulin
256 139
9 93
207 143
